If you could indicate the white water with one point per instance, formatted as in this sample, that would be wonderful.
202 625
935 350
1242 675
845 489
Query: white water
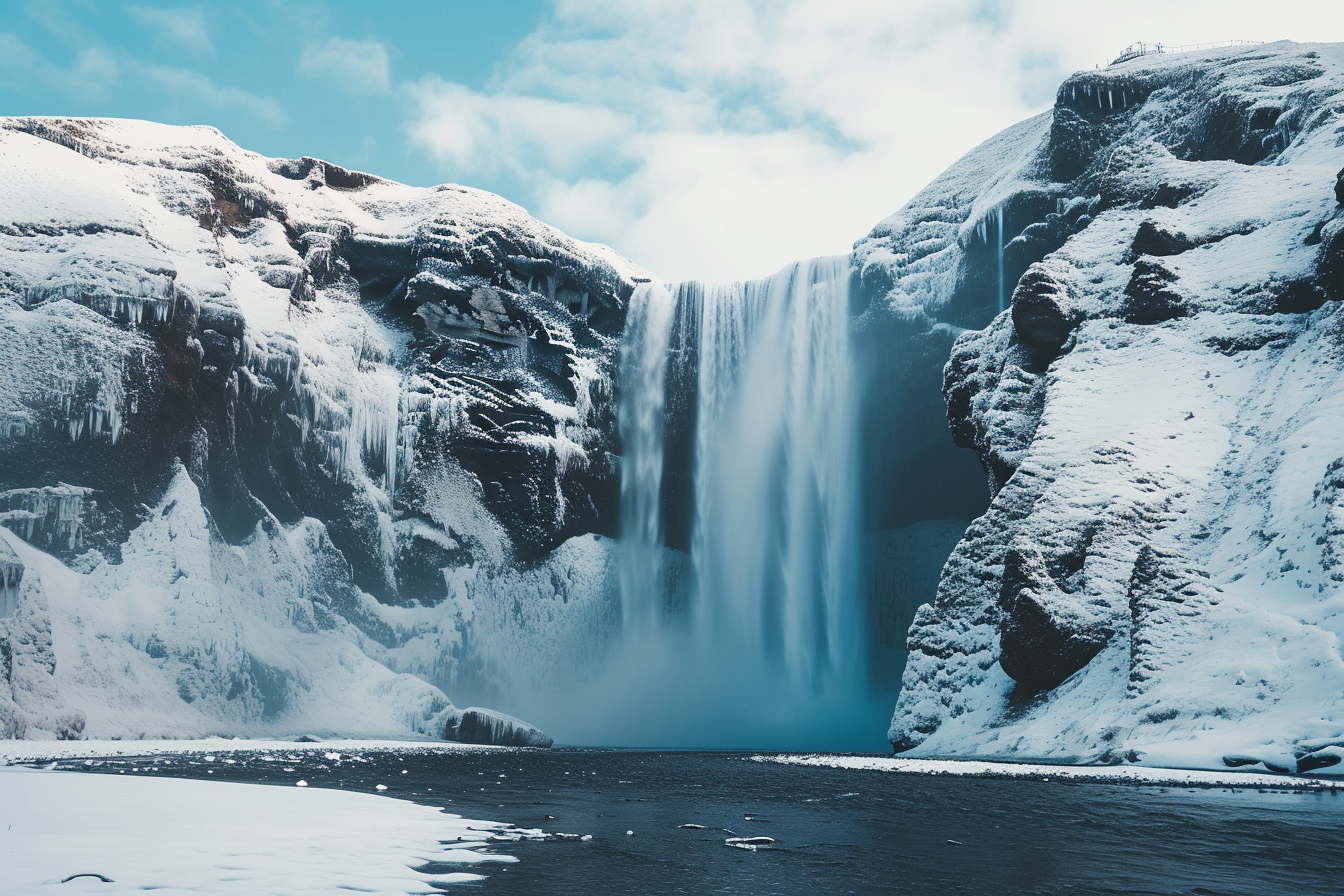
773 541
763 640
644 368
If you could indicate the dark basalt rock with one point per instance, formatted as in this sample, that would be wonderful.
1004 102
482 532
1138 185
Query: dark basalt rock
1339 187
1300 297
1169 196
475 725
1154 239
1318 760
1046 634
1043 311
1149 297
994 370
1330 261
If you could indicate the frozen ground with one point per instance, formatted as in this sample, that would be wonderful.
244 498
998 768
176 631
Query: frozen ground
183 836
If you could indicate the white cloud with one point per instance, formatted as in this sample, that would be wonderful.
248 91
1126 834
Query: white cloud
484 134
94 70
200 90
179 30
361 66
723 139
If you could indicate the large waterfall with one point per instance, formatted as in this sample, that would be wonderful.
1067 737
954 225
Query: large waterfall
730 613
773 528
761 627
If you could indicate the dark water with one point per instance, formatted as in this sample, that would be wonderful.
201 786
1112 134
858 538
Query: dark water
835 831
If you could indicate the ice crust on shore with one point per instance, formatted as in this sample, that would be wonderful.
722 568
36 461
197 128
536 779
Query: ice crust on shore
1148 775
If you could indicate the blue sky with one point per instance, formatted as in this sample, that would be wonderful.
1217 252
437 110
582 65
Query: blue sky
701 138
280 78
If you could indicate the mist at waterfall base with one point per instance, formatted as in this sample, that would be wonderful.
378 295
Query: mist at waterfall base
742 612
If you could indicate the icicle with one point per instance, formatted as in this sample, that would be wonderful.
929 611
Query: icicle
998 217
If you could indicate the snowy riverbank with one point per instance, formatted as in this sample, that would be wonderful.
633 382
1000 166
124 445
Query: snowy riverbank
179 836
1094 774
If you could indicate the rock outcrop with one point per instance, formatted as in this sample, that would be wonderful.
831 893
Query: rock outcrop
474 725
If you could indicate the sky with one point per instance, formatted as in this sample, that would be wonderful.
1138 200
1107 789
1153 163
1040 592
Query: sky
712 139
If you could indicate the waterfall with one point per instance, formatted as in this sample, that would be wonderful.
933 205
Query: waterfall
774 534
739 614
643 369
771 609
998 217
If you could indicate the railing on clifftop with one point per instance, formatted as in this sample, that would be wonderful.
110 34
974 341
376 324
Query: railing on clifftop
1139 48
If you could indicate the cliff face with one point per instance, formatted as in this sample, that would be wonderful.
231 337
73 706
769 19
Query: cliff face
1156 409
255 404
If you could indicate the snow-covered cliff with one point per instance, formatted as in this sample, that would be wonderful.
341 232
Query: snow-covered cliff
1156 403
286 448
250 408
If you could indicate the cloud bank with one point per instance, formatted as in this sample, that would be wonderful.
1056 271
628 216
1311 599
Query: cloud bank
719 139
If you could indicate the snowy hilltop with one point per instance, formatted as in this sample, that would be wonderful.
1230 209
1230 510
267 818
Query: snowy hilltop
1156 403
250 408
